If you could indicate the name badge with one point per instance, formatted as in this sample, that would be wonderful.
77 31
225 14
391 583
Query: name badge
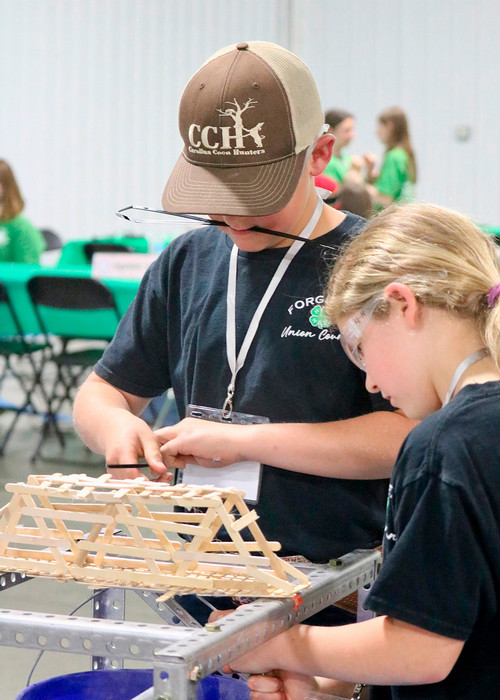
245 476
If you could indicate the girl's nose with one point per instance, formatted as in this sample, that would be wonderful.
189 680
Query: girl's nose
370 385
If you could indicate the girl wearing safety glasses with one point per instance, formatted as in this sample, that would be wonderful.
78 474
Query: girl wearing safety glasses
416 300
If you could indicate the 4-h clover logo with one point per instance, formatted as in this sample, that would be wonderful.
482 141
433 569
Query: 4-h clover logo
318 318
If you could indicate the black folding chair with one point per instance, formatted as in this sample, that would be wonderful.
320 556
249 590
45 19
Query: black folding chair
90 248
94 306
52 240
15 347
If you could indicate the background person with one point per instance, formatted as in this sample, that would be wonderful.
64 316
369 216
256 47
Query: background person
398 173
342 165
417 300
20 241
355 197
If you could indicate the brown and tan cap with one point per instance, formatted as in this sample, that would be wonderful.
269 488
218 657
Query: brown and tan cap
247 118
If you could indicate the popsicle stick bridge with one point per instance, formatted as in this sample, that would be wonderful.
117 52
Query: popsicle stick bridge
125 533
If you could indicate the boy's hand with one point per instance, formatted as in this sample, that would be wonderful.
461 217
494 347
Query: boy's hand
203 442
129 439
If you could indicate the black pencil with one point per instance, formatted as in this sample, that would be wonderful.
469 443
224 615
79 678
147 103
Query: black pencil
127 466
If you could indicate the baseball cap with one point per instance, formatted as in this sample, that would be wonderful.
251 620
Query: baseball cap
247 118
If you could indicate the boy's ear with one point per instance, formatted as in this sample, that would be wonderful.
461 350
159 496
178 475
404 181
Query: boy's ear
406 301
321 155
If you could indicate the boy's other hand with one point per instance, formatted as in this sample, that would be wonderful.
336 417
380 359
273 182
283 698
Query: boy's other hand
195 441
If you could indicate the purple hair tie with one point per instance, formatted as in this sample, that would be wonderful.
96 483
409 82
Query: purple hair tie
493 295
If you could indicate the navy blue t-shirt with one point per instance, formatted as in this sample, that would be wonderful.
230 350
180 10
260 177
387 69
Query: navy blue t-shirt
441 569
174 335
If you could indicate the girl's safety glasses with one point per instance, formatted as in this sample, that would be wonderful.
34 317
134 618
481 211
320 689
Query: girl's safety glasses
350 336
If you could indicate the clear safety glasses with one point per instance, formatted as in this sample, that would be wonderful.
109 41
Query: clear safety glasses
147 215
350 336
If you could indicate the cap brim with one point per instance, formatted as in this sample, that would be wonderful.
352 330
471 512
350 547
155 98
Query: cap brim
246 191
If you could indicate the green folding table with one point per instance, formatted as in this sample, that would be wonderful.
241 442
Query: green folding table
16 275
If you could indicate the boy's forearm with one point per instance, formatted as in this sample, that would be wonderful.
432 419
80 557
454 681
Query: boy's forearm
93 407
361 448
97 407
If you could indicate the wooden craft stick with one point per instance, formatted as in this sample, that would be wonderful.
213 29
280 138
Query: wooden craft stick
294 572
84 507
184 517
268 577
231 547
173 527
98 518
222 558
137 552
106 542
75 534
39 541
39 568
44 530
59 524
34 555
245 520
162 538
136 533
109 512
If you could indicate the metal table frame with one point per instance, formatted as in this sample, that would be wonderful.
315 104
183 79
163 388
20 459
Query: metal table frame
181 656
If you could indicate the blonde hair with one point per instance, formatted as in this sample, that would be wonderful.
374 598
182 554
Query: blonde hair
12 203
439 254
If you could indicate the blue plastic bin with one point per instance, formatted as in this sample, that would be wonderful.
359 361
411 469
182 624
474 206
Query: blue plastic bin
124 684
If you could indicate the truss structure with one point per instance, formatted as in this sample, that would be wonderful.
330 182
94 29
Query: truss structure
125 532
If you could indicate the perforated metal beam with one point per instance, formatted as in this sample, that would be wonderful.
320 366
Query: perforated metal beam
181 656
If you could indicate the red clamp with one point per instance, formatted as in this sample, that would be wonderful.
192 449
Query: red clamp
297 600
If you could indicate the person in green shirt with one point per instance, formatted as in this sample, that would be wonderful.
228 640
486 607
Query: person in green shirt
398 174
20 240
341 125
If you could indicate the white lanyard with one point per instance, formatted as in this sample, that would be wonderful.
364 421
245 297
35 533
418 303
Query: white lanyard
236 363
462 367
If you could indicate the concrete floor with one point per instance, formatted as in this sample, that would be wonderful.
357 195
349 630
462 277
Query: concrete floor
43 595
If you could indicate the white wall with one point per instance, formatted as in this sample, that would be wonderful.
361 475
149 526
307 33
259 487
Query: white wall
90 89
89 94
437 59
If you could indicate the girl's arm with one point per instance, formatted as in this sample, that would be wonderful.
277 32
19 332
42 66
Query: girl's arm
369 161
358 448
381 651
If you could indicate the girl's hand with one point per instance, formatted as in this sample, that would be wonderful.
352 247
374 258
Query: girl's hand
357 162
266 683
280 685
369 160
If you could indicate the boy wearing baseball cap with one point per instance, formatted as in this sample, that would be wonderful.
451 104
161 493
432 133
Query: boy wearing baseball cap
231 317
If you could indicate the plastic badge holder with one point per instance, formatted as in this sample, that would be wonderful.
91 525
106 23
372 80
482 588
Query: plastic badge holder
245 476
